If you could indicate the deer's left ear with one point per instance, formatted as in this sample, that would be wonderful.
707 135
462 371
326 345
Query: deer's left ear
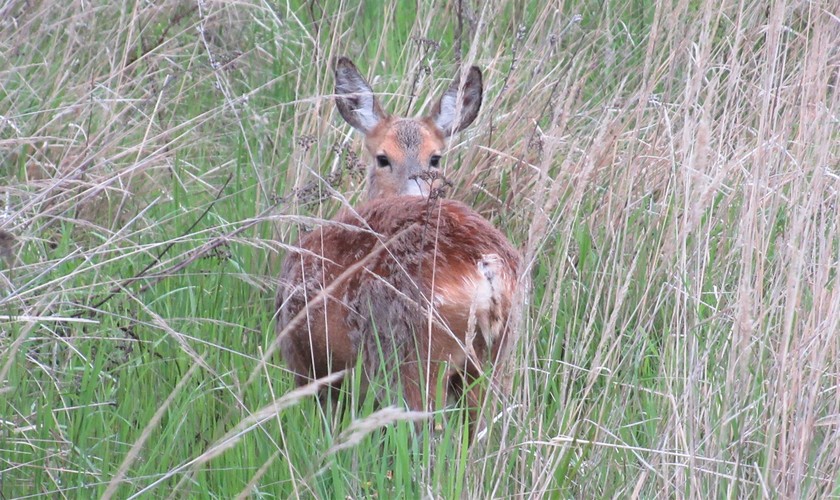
443 114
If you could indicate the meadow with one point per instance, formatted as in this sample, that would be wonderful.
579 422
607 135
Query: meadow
669 170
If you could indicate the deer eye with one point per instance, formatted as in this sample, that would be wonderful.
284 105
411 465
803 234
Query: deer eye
382 161
434 161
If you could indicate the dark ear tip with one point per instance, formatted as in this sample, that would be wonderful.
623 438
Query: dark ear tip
343 63
475 72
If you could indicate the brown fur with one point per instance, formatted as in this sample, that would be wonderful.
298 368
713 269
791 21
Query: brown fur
381 269
413 285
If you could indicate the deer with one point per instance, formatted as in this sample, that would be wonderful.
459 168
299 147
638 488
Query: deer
414 285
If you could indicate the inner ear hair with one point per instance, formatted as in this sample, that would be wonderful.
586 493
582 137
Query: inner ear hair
354 97
443 114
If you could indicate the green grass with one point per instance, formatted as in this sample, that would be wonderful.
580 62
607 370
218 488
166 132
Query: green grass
668 170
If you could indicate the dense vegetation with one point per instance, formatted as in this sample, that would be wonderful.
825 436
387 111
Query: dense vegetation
669 170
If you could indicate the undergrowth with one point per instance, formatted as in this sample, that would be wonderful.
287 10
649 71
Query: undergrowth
669 172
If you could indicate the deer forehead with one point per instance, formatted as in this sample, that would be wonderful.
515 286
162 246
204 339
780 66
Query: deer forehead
404 138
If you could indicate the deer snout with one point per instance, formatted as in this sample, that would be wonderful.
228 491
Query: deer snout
425 181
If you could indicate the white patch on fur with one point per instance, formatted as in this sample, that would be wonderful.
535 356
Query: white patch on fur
490 267
486 298
415 187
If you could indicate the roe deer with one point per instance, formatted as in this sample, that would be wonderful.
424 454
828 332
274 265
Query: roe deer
415 285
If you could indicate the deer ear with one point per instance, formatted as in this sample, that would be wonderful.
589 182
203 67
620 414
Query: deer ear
443 114
354 97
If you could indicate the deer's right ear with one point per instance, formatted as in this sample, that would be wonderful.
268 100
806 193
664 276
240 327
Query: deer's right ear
354 97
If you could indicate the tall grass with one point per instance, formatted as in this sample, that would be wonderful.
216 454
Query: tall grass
669 170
